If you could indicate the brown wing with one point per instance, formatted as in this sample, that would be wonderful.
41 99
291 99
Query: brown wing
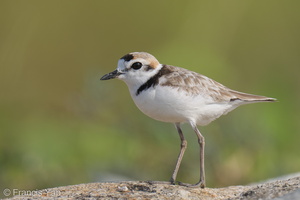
196 84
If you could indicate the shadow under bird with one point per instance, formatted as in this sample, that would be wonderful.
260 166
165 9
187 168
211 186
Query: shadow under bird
177 95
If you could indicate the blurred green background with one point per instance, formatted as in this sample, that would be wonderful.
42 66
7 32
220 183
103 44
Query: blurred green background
61 125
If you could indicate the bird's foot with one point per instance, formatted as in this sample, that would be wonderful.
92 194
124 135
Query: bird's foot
200 184
172 181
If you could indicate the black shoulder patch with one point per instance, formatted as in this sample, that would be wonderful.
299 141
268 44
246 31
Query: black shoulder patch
127 57
154 80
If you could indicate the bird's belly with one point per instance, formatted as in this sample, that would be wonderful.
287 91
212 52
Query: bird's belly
166 105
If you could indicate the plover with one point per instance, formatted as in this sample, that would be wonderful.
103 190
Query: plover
177 95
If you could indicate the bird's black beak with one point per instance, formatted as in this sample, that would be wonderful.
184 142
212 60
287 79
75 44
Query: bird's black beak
111 75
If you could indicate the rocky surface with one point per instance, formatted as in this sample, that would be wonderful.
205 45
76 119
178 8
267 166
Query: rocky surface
281 189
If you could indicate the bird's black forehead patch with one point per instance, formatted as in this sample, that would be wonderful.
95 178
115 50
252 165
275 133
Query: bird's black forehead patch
127 57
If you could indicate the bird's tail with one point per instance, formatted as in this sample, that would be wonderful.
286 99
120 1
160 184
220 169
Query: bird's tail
250 98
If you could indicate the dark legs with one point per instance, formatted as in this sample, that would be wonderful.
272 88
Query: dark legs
201 142
180 156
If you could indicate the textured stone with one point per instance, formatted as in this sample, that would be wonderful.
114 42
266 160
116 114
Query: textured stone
146 190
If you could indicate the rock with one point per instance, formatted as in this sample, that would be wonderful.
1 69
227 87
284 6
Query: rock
271 190
280 189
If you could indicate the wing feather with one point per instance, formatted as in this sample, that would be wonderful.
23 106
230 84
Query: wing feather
196 84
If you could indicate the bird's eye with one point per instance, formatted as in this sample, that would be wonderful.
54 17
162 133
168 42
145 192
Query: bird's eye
136 65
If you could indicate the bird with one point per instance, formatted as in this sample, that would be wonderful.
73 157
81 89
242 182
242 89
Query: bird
176 95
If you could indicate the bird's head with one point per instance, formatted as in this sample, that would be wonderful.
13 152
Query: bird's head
135 68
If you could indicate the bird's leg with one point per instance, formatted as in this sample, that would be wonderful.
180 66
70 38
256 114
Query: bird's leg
201 142
183 146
